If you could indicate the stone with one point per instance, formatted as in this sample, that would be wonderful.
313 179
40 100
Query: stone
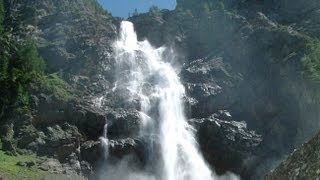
226 143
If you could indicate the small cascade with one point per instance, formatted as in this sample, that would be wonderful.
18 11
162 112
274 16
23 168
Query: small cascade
105 142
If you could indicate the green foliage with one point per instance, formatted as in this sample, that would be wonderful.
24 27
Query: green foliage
54 84
22 69
96 7
135 13
10 169
206 8
4 57
311 63
29 61
154 10
20 65
2 16
220 6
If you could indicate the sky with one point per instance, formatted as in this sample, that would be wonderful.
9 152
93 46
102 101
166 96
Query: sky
122 8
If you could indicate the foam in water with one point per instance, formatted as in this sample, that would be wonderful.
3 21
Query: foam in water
147 76
104 141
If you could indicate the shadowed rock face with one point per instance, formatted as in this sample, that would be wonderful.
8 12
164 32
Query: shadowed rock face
246 59
226 143
303 163
241 67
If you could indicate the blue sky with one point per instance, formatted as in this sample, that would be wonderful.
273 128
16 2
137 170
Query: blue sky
122 8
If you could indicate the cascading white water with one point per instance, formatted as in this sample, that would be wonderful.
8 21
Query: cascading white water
144 66
146 76
104 141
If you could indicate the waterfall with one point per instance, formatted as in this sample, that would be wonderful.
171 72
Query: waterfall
147 76
104 141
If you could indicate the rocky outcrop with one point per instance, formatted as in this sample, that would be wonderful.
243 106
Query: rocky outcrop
208 82
303 163
245 57
226 143
70 35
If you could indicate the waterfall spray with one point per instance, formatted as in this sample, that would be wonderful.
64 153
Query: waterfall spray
105 142
145 74
144 65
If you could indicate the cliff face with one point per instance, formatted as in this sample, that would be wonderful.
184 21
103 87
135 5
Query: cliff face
241 63
303 163
74 38
258 49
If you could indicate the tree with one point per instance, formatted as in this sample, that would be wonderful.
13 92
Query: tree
29 60
154 10
135 13
220 6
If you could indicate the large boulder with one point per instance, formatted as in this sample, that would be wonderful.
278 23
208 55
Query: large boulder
124 123
225 143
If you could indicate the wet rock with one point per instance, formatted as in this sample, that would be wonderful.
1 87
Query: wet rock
120 148
124 123
226 144
303 163
208 82
92 152
88 118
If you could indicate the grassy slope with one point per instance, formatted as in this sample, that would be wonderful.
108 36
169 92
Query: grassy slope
11 171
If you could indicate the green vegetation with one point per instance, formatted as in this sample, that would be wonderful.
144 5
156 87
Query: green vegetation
135 13
96 7
20 65
2 16
10 169
220 6
154 10
54 84
202 7
311 63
